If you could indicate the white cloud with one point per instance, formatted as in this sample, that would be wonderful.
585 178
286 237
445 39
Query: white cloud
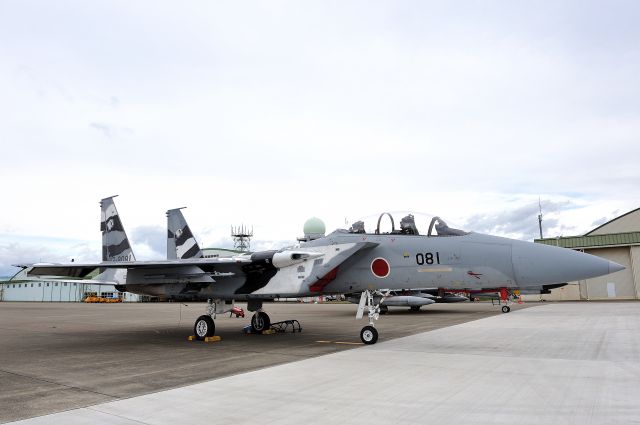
269 113
19 250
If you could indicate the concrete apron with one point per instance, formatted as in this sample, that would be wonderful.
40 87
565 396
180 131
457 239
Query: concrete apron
567 363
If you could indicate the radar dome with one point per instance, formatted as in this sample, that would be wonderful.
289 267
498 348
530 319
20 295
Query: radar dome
314 227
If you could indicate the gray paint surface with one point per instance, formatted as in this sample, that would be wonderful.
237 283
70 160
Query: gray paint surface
554 364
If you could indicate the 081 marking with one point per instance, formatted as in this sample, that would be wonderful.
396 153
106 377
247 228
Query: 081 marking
428 258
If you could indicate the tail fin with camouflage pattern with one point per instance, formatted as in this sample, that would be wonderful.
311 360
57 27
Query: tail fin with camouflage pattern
115 245
181 244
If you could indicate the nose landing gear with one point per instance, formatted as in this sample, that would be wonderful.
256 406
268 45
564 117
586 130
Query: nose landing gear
369 334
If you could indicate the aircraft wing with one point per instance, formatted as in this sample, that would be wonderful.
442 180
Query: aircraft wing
221 265
257 264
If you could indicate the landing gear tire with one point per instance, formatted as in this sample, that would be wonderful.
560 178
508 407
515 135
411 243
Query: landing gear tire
204 327
369 335
260 322
415 308
506 309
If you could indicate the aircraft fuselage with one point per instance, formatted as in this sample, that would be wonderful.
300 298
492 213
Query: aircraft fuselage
468 262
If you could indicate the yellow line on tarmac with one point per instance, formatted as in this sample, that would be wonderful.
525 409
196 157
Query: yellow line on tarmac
340 342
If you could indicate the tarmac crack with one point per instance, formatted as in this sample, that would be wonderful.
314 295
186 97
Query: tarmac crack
72 387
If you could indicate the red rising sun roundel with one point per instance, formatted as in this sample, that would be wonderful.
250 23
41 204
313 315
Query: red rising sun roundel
380 267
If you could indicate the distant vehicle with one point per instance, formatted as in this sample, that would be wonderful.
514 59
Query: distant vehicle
96 299
343 262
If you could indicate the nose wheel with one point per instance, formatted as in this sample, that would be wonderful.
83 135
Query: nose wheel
369 335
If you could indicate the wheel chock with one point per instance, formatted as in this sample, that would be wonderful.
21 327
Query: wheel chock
214 338
268 332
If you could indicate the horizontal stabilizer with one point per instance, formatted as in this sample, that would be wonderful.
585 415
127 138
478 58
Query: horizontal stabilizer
61 270
208 265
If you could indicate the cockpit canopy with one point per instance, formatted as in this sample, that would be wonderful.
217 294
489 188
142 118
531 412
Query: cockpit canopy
404 224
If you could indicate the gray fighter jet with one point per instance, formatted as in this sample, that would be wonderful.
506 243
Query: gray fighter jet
343 262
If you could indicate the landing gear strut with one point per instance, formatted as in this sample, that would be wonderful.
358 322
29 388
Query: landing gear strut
368 334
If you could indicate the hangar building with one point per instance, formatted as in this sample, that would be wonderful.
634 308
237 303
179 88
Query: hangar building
29 288
617 240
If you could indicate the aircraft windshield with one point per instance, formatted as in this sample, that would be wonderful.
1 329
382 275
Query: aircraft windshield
404 223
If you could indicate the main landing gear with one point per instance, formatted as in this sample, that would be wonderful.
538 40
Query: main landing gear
369 334
205 326
260 321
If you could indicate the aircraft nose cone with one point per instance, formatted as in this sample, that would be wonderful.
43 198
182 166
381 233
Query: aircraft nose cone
544 264
615 267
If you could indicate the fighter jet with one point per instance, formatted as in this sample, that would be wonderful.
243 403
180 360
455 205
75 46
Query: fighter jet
345 261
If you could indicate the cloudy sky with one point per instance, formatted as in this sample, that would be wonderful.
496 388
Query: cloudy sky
267 113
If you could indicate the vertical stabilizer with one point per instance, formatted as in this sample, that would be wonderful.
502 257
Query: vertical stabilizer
181 244
115 245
